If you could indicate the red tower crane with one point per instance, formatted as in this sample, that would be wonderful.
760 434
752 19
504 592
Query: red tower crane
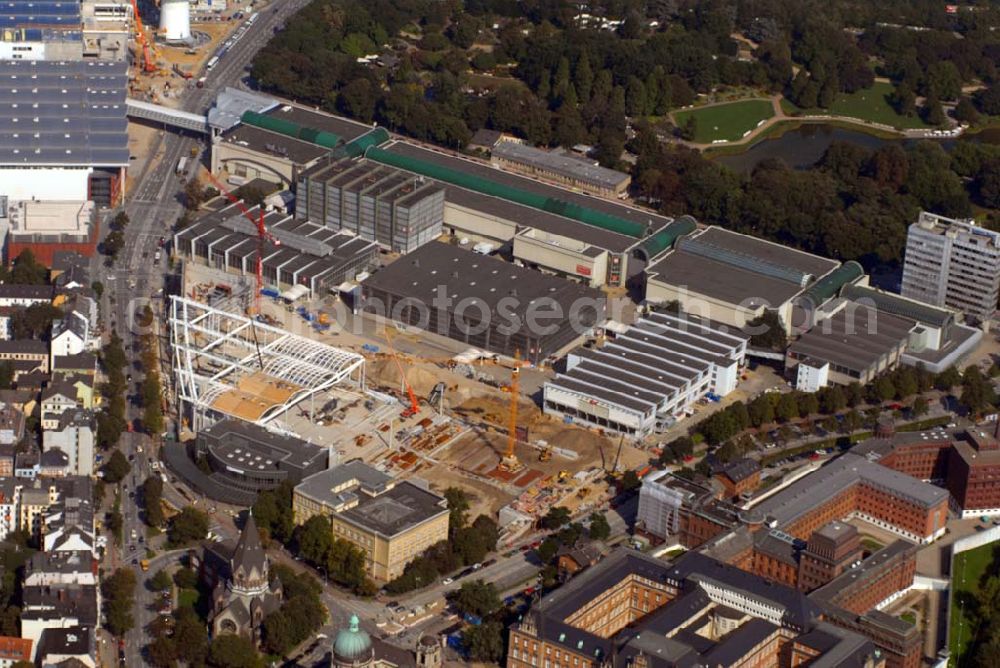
414 406
262 234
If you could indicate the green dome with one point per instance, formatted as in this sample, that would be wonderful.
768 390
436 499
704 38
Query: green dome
352 643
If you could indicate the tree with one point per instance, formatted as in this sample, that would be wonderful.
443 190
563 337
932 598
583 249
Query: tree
832 399
152 493
808 404
251 195
162 652
903 100
160 581
118 591
313 539
947 379
599 527
194 194
965 111
477 598
883 388
484 642
113 244
27 270
767 331
761 410
273 513
988 100
117 467
933 113
458 507
98 288
920 406
787 408
977 391
35 321
557 517
232 651
689 130
186 578
188 526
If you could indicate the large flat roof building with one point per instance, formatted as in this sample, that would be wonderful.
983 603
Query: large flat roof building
483 301
63 130
953 263
733 278
856 343
391 521
648 375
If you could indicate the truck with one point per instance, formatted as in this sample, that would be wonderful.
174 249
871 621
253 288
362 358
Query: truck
181 164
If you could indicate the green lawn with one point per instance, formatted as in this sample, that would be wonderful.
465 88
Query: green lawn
909 617
187 598
968 569
870 104
725 121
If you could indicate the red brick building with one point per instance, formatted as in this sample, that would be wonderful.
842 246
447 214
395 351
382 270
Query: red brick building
633 611
739 477
851 485
967 463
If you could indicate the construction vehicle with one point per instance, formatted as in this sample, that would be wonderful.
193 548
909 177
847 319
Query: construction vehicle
181 72
148 66
545 455
563 475
263 235
414 406
509 462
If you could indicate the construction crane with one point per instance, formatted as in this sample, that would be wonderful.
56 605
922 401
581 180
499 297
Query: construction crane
509 461
414 406
140 35
262 235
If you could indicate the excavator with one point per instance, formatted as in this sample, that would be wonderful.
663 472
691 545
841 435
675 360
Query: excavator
414 406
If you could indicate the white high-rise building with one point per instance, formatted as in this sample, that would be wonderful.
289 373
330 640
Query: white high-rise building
953 263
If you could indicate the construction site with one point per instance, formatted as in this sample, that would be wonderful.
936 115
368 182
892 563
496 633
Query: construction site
410 403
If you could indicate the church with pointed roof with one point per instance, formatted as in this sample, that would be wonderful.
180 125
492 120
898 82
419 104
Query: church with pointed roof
243 592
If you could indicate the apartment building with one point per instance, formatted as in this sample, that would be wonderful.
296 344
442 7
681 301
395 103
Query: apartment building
953 263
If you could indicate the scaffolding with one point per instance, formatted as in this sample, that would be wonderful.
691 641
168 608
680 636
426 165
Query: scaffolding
227 363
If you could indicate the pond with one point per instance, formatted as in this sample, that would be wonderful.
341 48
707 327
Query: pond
803 147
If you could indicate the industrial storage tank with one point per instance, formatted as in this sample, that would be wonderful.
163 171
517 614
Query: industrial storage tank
175 20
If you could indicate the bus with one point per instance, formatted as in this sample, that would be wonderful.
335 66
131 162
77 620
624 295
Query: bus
181 164
212 62
252 19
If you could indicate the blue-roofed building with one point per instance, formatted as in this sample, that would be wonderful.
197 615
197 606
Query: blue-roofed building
63 130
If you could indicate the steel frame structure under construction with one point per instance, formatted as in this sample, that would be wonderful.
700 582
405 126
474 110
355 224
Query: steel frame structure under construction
227 363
